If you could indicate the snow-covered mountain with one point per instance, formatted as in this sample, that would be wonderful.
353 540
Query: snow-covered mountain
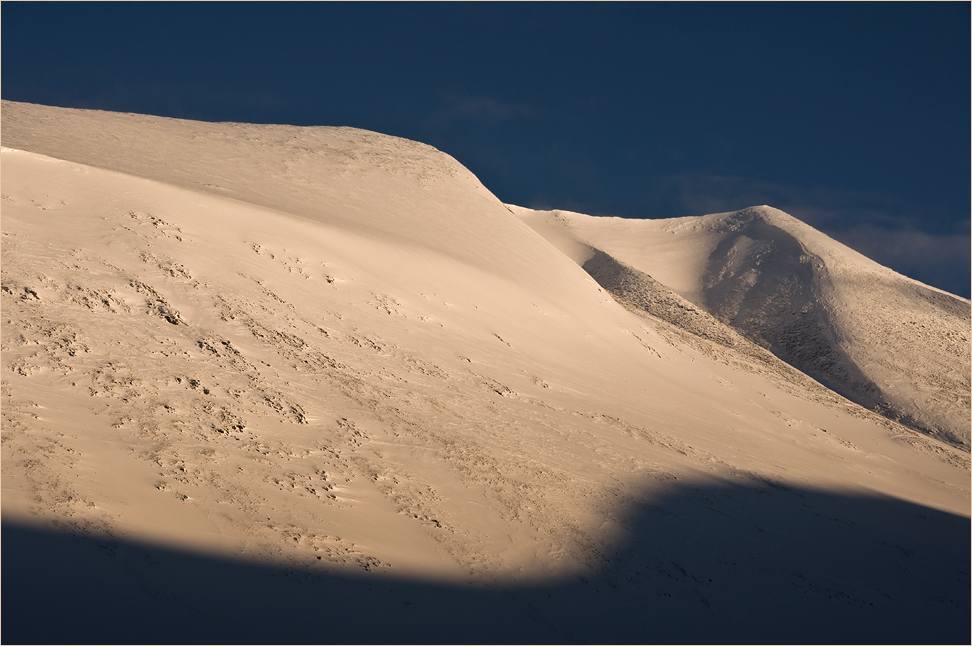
318 384
881 339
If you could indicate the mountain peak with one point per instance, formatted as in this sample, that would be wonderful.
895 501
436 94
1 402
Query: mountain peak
878 338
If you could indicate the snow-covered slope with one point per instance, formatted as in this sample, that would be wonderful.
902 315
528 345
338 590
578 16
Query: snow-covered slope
883 340
325 351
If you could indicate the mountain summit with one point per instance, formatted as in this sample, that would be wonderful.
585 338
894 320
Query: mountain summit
881 339
270 383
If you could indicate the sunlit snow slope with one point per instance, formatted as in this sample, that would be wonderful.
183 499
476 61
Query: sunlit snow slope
335 351
886 341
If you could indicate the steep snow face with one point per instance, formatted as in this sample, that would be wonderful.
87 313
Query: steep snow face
336 350
881 339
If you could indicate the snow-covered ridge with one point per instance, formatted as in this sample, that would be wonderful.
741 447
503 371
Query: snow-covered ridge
359 180
884 340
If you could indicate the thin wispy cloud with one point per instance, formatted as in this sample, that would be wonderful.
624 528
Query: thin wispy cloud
936 259
458 106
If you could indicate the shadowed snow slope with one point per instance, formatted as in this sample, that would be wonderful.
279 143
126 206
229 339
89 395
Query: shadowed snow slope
888 342
333 358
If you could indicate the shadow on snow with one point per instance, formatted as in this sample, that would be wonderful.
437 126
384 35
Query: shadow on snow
701 564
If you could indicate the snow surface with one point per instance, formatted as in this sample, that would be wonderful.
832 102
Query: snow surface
271 383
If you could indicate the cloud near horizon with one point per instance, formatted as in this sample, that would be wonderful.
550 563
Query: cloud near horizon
935 259
456 105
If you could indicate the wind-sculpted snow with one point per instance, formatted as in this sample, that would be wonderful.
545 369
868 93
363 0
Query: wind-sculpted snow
884 341
320 354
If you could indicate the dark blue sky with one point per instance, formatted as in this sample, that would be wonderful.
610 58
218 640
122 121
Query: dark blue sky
853 117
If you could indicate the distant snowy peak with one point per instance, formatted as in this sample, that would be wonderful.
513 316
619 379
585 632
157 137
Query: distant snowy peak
886 341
